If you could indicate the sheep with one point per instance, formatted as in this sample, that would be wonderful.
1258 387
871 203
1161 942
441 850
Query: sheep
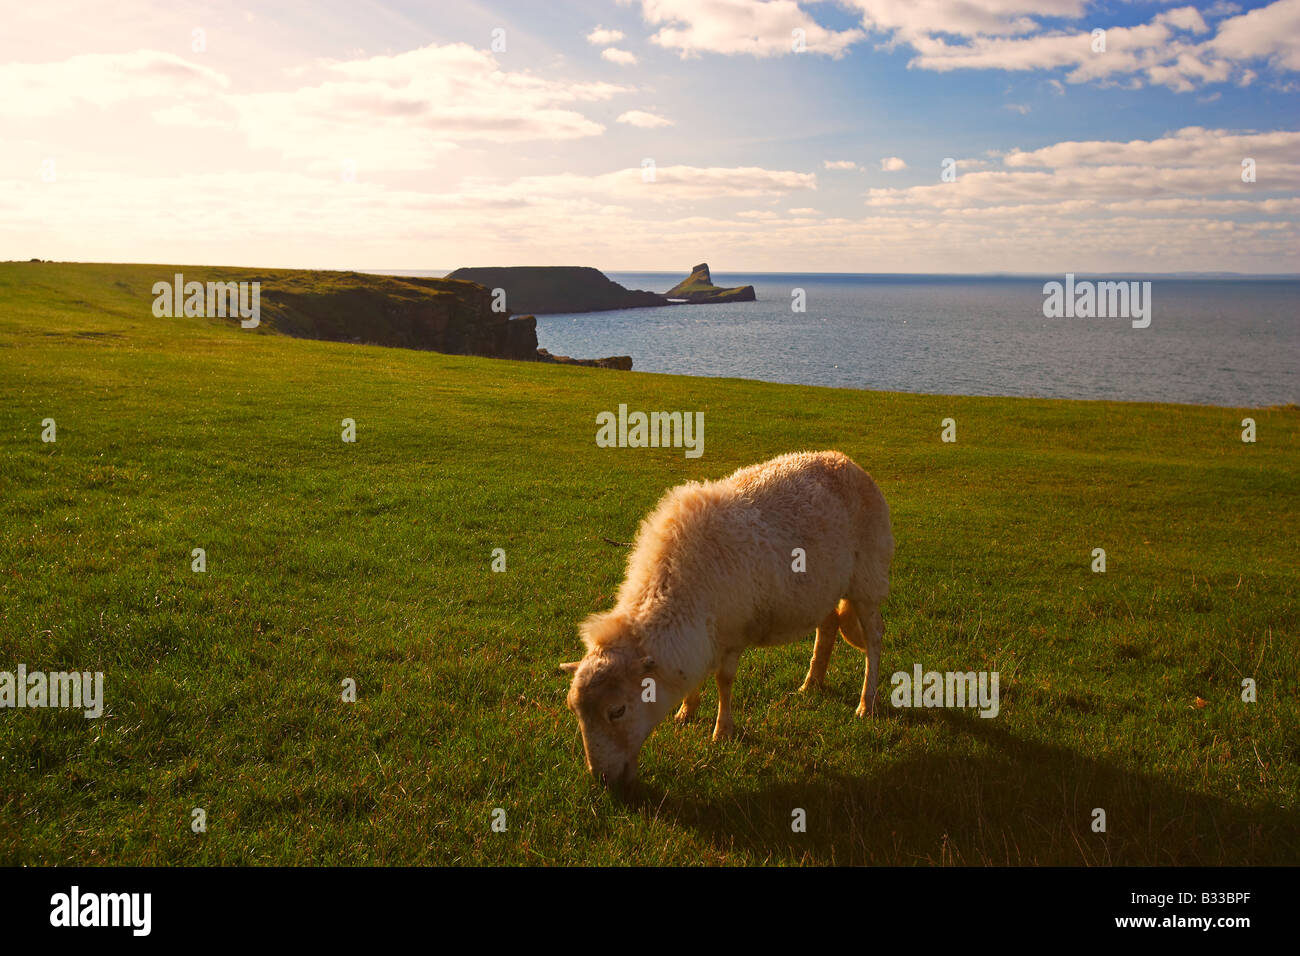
755 559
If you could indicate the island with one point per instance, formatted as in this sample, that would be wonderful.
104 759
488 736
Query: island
698 289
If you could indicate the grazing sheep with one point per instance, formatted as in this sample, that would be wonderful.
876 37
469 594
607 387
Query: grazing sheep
715 571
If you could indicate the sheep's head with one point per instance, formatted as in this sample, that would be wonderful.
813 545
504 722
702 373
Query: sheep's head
616 696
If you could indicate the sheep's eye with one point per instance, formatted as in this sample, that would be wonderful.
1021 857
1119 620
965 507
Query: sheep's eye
617 712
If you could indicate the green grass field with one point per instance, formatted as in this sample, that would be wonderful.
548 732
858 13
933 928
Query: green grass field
372 561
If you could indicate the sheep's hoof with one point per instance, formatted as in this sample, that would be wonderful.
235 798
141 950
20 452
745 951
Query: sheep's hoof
866 710
683 715
723 731
811 685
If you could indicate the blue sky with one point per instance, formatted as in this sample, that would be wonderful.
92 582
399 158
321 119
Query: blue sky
411 135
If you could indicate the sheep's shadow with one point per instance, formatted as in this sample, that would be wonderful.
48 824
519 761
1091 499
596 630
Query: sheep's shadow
1026 803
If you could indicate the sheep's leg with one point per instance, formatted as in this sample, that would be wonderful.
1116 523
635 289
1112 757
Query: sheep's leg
821 658
850 627
687 710
726 676
869 643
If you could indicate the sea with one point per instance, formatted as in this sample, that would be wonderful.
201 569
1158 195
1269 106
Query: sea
1229 341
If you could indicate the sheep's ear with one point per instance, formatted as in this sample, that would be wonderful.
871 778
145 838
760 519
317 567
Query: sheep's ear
570 667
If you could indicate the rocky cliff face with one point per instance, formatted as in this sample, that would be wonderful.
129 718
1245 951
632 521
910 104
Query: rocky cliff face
413 313
439 315
698 288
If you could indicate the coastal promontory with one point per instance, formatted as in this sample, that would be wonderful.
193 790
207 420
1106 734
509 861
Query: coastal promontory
541 290
412 312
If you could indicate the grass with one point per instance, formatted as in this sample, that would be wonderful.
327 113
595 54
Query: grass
372 561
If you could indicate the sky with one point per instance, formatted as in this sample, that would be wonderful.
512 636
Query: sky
924 136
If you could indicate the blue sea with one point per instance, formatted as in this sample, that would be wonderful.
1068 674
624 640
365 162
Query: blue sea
1212 341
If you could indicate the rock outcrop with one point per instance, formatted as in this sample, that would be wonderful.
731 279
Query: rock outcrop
543 290
698 288
621 362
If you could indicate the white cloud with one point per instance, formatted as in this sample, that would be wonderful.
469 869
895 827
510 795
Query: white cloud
1222 9
839 164
1192 146
621 57
1174 48
402 111
602 37
891 164
556 220
1270 33
670 184
755 27
1190 166
915 18
643 119
186 115
102 80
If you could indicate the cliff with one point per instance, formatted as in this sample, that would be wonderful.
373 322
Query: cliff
540 290
400 311
698 288
439 315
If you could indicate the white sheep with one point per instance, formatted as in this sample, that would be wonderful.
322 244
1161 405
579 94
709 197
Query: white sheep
755 559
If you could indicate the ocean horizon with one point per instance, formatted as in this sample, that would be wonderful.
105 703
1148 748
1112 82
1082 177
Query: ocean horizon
1213 339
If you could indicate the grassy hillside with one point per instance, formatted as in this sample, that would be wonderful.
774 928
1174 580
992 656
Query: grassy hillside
442 315
371 561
